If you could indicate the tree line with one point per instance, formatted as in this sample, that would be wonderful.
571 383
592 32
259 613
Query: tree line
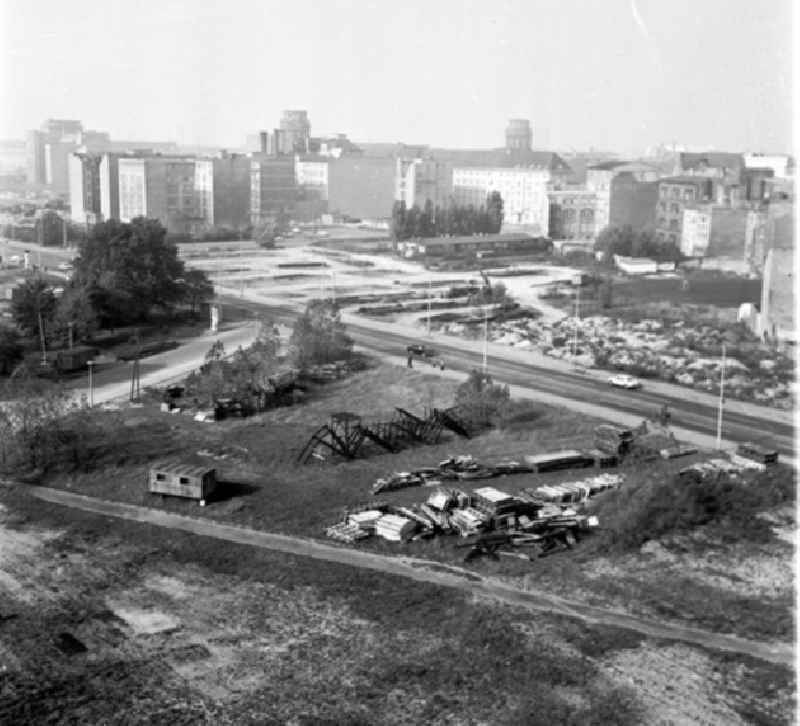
451 220
627 242
123 274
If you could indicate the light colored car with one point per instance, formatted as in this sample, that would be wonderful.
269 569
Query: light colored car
623 380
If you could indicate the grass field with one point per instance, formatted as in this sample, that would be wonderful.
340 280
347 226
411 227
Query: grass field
750 583
180 630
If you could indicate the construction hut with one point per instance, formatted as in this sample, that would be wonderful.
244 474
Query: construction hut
176 479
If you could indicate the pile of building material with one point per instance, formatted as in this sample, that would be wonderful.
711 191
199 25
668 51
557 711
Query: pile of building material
558 460
575 491
346 532
395 528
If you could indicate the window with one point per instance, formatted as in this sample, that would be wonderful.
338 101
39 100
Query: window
675 208
161 477
184 480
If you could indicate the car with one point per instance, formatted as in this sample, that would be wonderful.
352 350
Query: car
622 380
416 349
758 452
65 266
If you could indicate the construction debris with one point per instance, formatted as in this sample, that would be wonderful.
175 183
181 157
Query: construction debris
395 528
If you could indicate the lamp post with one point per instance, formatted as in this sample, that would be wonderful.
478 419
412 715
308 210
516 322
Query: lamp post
429 307
485 338
721 400
90 363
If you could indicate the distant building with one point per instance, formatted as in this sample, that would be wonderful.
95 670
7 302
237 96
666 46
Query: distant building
781 165
84 188
361 186
599 178
273 187
719 164
632 202
312 173
454 246
695 231
222 189
519 134
572 214
419 180
674 194
295 133
161 188
13 156
777 317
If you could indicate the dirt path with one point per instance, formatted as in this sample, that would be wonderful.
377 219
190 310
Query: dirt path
422 570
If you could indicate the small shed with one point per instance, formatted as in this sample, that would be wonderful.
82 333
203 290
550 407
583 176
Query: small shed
175 479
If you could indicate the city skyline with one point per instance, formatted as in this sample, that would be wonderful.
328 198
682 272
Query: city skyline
621 77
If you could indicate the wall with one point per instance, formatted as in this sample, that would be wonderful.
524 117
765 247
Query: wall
109 186
232 191
632 202
132 189
728 233
362 187
272 188
695 232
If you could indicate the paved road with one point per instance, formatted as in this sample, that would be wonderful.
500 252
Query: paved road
114 382
690 412
425 571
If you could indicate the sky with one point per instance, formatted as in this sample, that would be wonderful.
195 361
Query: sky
616 75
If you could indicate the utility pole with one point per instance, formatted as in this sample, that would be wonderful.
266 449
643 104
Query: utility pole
721 400
69 328
429 307
135 379
41 338
90 363
575 331
485 338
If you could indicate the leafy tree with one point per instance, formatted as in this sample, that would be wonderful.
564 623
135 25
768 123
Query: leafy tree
10 349
127 269
74 309
480 399
197 287
30 300
319 335
428 227
494 210
399 220
49 228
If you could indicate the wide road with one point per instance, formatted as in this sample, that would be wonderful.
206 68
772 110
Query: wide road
687 411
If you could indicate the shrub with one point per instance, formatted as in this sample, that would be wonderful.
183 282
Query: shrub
666 504
480 400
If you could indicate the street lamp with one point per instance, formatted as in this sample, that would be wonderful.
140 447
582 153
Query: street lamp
90 363
721 400
485 338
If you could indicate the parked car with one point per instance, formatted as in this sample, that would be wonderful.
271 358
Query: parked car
622 380
416 349
757 452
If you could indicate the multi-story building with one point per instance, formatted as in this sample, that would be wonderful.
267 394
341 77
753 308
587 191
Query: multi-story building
84 187
161 188
599 178
632 202
418 180
718 164
295 133
695 230
362 187
273 187
777 317
572 214
519 134
780 164
674 194
222 189
312 174
523 190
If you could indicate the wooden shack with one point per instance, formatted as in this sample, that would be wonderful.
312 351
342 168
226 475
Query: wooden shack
175 479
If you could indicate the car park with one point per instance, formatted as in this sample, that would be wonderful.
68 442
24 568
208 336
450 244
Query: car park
622 380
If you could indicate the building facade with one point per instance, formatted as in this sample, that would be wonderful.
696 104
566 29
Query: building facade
519 134
674 195
418 180
599 179
524 194
295 133
273 187
362 187
84 188
222 191
777 318
312 174
695 231
572 214
632 202
161 188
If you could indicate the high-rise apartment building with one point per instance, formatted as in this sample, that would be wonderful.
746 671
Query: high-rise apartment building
519 134
84 187
273 187
222 190
295 133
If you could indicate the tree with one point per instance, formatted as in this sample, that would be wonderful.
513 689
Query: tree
494 210
480 399
127 269
399 220
197 287
74 311
30 300
50 228
319 335
10 349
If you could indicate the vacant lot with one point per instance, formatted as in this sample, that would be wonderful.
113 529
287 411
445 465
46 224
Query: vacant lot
720 291
748 583
138 624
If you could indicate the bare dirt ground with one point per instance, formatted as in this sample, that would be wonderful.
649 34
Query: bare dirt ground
118 622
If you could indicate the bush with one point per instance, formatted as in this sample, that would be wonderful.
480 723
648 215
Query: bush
480 400
666 504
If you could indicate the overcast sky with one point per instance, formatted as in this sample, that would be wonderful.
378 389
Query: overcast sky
610 74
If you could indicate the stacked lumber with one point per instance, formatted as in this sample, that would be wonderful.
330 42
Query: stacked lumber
346 532
468 521
365 520
395 528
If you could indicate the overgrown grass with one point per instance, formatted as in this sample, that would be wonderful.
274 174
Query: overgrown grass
664 504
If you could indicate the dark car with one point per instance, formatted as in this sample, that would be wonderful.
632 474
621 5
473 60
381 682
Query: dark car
416 349
757 452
